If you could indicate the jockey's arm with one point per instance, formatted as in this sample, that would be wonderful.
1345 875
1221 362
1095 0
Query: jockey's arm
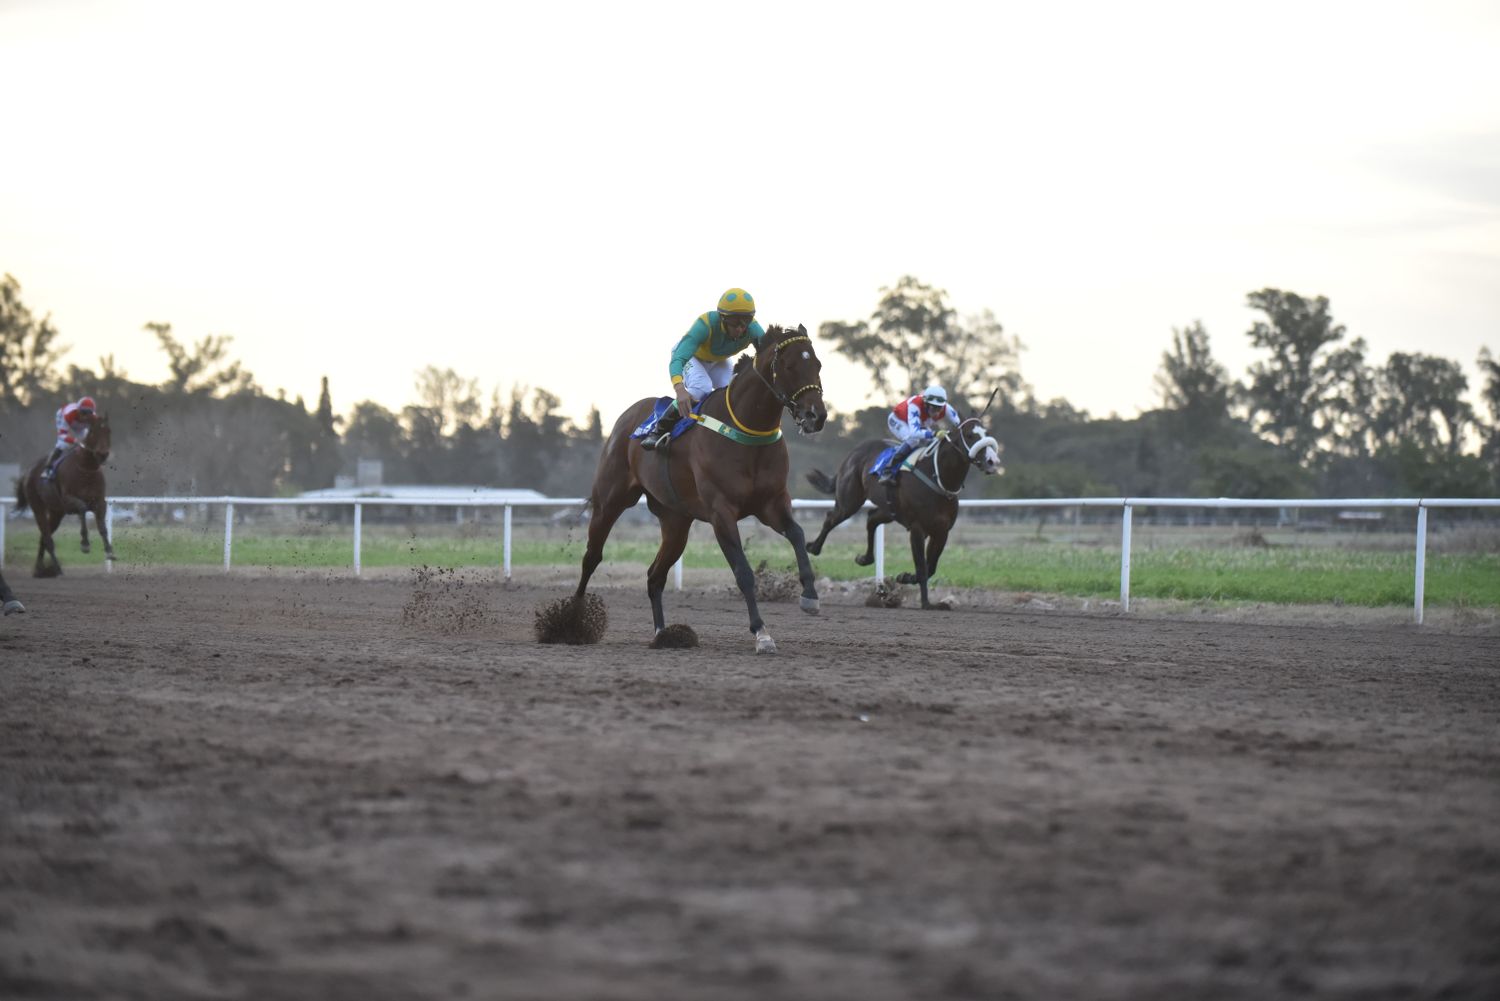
687 347
914 425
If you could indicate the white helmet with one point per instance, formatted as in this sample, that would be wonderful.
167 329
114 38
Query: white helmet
935 395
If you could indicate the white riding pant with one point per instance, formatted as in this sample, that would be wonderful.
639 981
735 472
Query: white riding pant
703 377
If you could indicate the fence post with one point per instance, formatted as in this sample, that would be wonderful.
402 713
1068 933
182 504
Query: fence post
505 545
879 553
359 525
228 533
1125 558
4 516
109 530
677 574
1421 558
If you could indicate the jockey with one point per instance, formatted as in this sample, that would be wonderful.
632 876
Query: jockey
701 362
72 420
913 421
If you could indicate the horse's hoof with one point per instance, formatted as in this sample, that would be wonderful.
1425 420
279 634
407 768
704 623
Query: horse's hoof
907 578
810 606
110 557
864 559
13 606
763 642
83 548
814 549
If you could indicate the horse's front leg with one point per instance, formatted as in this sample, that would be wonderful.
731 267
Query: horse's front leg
919 560
101 515
727 531
782 521
83 529
935 546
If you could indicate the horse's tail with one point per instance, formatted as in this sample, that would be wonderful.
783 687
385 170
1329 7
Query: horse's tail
822 481
20 494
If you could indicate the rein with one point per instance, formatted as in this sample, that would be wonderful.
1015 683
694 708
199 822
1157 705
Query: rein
788 402
971 452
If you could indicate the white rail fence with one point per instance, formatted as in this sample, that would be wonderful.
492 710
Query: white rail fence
1127 506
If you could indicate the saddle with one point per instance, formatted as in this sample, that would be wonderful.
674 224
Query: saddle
917 455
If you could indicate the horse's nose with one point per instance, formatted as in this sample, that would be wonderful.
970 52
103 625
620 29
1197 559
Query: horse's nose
816 417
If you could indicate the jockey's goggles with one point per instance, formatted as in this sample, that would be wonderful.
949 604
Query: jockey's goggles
741 318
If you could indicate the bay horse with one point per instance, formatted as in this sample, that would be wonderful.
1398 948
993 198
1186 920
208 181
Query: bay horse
76 488
924 498
732 465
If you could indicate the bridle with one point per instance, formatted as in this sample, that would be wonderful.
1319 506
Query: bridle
788 401
88 445
971 453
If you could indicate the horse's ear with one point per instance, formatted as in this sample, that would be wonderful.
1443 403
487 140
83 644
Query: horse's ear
993 394
801 330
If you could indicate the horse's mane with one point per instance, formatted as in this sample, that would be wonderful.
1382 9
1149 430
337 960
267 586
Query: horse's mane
773 336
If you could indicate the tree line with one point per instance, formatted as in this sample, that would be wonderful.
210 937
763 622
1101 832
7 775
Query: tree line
1315 416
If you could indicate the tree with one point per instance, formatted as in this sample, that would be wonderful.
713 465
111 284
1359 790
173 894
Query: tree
914 337
1190 381
452 400
28 349
373 432
1489 367
1421 402
1303 393
204 369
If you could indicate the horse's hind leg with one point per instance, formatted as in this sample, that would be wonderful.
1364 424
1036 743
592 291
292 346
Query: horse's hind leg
674 537
45 548
83 530
607 510
831 520
876 518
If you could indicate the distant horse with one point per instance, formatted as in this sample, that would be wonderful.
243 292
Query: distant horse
76 488
924 499
732 465
8 600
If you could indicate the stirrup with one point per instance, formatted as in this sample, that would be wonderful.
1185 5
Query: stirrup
654 440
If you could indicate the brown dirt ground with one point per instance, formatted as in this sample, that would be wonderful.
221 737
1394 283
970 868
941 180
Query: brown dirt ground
310 786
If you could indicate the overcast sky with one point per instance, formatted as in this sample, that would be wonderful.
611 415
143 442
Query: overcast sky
547 194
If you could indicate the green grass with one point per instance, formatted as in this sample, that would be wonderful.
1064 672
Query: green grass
1196 570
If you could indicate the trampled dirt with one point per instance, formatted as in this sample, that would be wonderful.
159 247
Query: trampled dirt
311 786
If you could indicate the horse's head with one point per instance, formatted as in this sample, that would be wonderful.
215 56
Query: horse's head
983 451
787 362
96 438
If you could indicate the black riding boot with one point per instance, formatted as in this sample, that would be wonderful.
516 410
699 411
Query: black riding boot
661 430
893 465
50 470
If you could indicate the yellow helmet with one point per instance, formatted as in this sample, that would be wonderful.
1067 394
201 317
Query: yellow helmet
737 302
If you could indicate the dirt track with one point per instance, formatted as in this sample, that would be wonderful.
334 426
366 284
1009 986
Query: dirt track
315 787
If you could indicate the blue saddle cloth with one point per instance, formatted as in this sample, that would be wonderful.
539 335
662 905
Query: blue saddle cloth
889 451
678 429
883 458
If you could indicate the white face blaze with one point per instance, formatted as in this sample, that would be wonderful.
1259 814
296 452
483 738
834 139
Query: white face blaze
984 450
